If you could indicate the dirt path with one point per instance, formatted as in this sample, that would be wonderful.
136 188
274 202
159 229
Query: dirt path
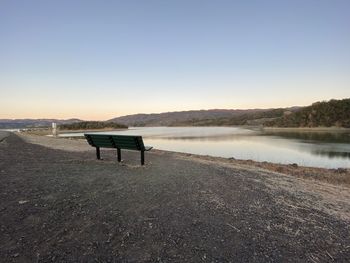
63 205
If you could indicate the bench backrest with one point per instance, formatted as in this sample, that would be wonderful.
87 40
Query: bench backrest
128 142
100 140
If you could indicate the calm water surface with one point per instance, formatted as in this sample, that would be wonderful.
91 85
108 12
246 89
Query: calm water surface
317 149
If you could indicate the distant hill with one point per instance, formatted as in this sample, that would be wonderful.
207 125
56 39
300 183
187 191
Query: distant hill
215 117
333 113
32 123
85 125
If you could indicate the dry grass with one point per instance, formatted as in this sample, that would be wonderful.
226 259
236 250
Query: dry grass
340 176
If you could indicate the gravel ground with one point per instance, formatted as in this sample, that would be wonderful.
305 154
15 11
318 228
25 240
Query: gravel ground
59 204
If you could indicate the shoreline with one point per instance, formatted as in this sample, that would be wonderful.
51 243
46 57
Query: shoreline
339 176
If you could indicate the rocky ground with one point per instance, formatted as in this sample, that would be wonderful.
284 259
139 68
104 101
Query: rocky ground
58 203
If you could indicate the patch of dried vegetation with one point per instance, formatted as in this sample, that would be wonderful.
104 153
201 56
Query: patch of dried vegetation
340 176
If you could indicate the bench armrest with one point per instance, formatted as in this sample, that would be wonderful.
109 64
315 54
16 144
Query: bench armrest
147 148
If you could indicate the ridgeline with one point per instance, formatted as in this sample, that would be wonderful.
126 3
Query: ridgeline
333 113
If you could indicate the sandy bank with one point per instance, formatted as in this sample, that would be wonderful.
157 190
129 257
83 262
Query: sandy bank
333 176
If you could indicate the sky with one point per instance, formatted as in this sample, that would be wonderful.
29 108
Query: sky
97 60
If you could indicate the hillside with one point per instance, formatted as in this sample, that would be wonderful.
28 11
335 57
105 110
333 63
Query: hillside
244 118
215 117
333 113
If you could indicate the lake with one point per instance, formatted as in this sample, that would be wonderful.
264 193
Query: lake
307 148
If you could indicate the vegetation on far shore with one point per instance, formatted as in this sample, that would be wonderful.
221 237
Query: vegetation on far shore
86 125
333 113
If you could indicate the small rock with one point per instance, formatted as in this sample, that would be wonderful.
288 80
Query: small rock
16 255
21 202
341 170
294 165
279 169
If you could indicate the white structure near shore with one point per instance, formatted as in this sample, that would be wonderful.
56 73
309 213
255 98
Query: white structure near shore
54 129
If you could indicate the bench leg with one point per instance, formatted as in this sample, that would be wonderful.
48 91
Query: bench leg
142 157
98 155
119 155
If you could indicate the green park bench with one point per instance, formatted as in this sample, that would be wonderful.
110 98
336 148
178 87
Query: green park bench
127 142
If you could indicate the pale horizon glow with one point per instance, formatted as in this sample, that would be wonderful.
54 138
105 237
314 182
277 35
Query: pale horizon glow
96 61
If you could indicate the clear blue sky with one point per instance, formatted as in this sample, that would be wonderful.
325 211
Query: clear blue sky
101 59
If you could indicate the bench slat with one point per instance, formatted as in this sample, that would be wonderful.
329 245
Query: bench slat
104 145
132 140
121 144
100 140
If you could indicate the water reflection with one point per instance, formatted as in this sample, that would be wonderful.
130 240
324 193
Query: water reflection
325 137
318 149
331 154
230 137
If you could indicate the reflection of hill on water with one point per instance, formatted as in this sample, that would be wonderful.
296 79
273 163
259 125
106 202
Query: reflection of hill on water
331 150
228 137
332 154
325 137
